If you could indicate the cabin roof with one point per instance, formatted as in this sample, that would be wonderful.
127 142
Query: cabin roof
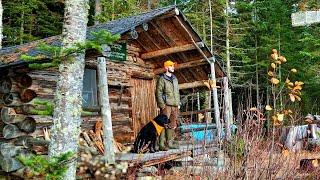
168 29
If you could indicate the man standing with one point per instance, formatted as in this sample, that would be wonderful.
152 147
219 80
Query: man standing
168 100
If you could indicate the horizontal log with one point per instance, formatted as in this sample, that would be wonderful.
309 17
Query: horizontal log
133 48
189 64
9 164
11 99
142 75
23 81
28 125
29 141
195 84
8 115
26 95
9 150
171 50
12 131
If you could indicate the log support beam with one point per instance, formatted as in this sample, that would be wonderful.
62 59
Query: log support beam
184 65
171 50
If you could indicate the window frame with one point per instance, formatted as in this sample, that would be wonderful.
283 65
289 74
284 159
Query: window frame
92 108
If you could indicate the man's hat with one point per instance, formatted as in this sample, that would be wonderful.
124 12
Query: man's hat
168 63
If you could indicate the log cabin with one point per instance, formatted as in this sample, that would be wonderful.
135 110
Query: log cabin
135 60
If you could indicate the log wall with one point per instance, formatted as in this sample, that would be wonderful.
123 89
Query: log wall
21 89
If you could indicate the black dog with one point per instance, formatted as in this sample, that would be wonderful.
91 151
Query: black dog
147 137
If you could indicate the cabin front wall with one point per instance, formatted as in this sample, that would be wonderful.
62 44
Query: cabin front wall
131 95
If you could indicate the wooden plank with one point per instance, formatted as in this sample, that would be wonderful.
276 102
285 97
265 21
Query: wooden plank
171 50
195 84
189 64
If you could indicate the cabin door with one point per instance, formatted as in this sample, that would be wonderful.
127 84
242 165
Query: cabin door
144 106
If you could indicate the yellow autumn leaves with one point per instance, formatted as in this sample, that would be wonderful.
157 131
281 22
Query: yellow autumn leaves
293 89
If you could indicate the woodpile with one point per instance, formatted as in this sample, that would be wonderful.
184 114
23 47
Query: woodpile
21 120
92 140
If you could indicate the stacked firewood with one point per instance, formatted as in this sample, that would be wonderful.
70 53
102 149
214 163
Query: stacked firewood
20 122
93 140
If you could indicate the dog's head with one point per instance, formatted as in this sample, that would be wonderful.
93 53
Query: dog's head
161 120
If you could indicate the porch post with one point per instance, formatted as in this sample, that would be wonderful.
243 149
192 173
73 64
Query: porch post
226 108
215 98
109 150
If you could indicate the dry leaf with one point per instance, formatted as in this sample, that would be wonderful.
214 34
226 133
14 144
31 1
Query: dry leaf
298 83
273 65
270 73
290 84
293 70
287 81
268 108
297 88
297 97
282 59
280 117
278 62
292 98
274 51
275 81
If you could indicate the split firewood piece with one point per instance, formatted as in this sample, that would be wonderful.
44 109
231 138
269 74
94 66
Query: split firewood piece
98 130
88 140
97 143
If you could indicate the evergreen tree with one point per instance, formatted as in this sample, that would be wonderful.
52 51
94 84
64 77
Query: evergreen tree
26 21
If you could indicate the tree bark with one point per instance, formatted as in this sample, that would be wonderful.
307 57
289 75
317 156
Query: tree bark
97 10
68 97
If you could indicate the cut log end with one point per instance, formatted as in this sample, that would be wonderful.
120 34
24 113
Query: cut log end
25 81
28 125
11 131
27 95
8 115
5 85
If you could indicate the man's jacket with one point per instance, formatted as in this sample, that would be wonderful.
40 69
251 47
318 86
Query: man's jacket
167 91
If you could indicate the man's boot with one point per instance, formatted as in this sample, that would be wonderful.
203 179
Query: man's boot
170 136
162 141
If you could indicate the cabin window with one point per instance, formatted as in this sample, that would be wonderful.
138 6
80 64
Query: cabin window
89 92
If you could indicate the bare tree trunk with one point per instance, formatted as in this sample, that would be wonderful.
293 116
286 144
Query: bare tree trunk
215 101
227 41
97 10
226 113
22 26
109 149
1 27
211 27
68 97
